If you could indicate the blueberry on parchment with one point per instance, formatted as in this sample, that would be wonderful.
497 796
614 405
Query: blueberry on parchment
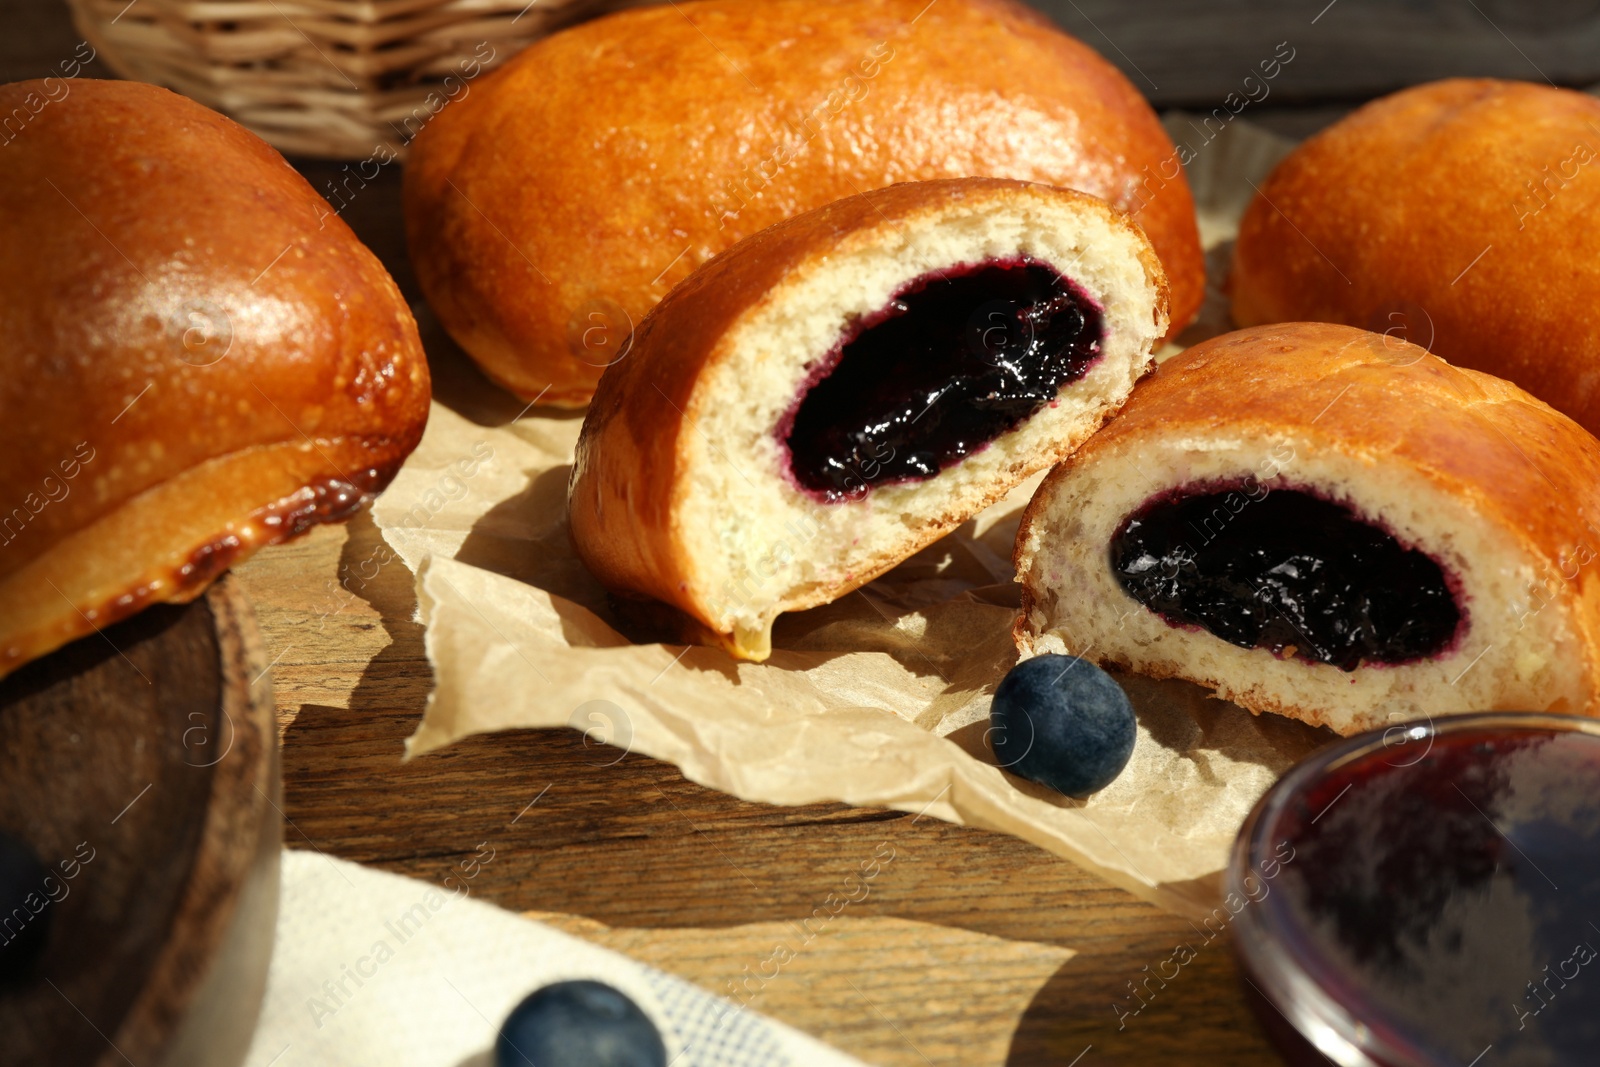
1063 722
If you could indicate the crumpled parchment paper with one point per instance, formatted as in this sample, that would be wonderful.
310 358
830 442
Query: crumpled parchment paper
880 699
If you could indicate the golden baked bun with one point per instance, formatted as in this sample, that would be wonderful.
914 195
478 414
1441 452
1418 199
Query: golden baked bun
1330 524
1460 216
827 397
551 207
200 358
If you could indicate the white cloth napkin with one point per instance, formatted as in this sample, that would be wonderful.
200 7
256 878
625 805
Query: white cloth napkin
372 968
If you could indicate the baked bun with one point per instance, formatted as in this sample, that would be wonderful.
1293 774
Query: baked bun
827 397
1460 216
200 358
1332 525
551 207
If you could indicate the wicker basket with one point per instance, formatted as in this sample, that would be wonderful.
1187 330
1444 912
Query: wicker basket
339 78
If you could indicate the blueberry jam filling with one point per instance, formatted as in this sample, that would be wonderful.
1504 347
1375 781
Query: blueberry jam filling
1285 571
956 359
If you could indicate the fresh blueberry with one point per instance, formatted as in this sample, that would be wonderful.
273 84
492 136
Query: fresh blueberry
578 1024
24 909
1062 722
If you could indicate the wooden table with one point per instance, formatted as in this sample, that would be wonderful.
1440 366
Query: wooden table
972 948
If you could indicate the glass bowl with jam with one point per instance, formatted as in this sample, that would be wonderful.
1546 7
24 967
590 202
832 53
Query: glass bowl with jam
1427 895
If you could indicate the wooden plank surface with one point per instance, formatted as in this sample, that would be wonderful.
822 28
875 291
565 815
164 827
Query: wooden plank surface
967 947
1185 53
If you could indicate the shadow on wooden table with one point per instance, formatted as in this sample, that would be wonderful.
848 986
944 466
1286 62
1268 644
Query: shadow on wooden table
953 935
1136 1017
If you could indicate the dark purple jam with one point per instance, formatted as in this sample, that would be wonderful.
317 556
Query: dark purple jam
956 359
1446 893
1286 571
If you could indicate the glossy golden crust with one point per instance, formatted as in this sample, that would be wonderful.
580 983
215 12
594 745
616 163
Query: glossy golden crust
629 477
550 208
1520 463
200 358
1460 215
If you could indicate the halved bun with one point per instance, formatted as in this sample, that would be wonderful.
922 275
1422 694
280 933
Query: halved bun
1494 487
695 482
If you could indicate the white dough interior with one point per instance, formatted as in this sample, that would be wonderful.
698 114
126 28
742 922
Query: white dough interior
761 546
1518 651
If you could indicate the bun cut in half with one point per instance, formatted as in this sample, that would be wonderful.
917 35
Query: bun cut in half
199 358
829 396
1329 524
1459 215
550 207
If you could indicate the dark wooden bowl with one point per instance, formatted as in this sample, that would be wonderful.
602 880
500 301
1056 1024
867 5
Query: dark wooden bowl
141 766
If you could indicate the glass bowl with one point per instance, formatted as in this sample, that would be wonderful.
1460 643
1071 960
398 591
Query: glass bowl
1426 895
